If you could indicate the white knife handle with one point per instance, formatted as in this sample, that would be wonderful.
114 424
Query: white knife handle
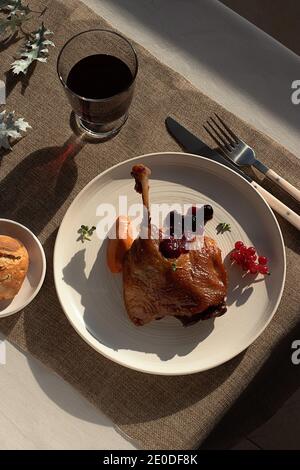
278 206
288 187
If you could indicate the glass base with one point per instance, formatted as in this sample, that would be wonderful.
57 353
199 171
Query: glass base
101 131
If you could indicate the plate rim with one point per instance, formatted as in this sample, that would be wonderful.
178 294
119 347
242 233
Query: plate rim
44 267
123 363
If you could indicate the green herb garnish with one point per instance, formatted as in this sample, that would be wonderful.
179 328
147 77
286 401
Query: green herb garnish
85 233
223 227
174 267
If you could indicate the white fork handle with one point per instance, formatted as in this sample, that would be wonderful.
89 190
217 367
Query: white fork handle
278 206
288 187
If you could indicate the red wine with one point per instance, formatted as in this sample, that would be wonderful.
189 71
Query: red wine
99 76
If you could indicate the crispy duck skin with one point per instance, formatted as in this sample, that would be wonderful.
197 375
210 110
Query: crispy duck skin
154 289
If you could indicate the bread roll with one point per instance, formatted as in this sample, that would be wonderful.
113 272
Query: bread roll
14 263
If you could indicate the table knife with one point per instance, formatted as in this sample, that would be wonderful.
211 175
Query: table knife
193 144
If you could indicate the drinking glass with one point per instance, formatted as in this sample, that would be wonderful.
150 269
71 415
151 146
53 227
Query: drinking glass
97 116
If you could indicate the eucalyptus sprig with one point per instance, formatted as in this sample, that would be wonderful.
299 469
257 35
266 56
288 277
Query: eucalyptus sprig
35 49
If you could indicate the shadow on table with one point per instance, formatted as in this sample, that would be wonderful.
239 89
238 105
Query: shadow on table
233 49
63 351
9 41
101 287
11 80
45 331
49 336
36 188
64 395
274 384
268 15
35 321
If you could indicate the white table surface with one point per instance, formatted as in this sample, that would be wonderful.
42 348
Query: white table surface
237 65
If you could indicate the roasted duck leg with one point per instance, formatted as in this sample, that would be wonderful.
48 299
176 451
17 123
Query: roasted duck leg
141 175
191 287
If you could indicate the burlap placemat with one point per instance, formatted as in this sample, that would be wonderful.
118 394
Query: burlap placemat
40 178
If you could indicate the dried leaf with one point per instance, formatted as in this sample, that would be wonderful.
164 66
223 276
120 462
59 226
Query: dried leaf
34 49
11 128
16 14
11 24
14 7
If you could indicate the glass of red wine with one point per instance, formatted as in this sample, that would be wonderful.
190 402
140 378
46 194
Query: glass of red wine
98 69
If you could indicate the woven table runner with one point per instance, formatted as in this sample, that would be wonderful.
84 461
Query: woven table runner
39 179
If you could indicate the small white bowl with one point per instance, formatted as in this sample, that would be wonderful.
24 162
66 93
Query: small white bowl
36 272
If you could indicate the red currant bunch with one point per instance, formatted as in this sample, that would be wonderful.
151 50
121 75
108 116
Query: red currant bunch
247 258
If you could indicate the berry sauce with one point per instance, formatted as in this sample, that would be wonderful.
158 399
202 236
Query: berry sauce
173 247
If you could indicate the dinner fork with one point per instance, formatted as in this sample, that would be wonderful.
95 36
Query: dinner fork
241 154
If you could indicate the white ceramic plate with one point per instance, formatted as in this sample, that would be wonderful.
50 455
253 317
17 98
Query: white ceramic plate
92 297
36 271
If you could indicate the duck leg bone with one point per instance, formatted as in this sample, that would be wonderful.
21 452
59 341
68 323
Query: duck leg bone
141 174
